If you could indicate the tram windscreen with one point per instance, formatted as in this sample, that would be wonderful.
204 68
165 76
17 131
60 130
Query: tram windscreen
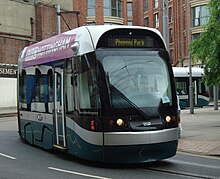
139 78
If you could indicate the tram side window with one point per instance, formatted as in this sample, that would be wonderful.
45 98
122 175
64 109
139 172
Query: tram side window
22 87
39 87
50 85
181 87
199 86
87 90
202 88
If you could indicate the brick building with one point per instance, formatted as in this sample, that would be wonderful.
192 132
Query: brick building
23 22
33 20
168 16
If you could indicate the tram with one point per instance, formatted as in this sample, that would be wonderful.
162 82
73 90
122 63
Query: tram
101 93
200 90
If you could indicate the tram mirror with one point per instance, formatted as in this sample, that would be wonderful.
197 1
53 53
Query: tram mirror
75 47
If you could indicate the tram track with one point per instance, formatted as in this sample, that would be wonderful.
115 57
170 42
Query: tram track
7 115
178 173
181 168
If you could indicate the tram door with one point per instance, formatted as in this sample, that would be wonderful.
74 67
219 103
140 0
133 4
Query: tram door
195 93
59 117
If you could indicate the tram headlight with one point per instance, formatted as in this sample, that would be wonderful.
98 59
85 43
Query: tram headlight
171 119
117 124
120 122
168 119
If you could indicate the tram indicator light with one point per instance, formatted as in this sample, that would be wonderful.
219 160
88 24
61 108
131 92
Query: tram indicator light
92 125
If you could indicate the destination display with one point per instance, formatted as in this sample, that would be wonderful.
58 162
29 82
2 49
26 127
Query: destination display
139 42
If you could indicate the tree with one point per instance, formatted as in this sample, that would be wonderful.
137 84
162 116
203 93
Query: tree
207 47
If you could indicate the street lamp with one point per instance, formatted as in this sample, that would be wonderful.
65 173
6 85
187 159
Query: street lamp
165 22
190 62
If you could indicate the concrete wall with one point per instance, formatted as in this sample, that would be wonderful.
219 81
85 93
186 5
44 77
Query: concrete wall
64 4
15 17
8 91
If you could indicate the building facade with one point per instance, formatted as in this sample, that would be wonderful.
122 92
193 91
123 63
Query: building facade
24 22
170 17
183 24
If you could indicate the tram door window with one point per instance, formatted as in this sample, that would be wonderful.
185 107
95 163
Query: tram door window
195 87
199 89
59 106
49 106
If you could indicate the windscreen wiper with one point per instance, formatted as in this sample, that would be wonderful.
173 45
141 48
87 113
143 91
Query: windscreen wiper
115 90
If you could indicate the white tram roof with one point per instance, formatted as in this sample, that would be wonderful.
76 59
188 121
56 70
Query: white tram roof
59 46
184 71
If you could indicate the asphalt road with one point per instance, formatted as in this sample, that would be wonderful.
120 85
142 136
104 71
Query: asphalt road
22 161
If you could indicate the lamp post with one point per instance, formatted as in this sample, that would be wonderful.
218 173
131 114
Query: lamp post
58 19
190 62
215 97
59 15
165 22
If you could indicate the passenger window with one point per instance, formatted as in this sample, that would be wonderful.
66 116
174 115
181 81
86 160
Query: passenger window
39 87
22 90
181 87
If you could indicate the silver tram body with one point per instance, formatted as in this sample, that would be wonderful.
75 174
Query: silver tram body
102 93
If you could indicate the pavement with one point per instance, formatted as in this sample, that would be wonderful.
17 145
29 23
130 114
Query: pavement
8 111
200 131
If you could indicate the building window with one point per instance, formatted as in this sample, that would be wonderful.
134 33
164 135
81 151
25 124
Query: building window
91 23
130 23
184 20
129 9
147 21
195 36
200 15
110 23
113 8
170 35
146 5
155 3
170 14
91 7
171 56
156 20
